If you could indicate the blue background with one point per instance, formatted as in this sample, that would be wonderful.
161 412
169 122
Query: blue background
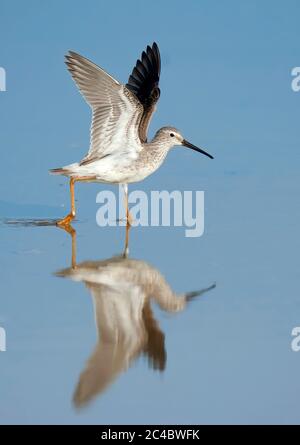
226 83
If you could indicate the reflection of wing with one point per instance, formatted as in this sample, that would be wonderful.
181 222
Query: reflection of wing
143 83
102 368
116 111
155 346
122 336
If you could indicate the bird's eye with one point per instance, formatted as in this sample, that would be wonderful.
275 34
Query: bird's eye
172 135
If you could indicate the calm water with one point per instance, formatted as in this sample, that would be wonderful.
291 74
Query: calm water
103 343
110 342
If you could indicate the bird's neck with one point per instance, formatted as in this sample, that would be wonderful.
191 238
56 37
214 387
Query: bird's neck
154 153
158 147
160 143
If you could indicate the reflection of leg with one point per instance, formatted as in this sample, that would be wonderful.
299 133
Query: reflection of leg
69 218
126 250
69 229
73 259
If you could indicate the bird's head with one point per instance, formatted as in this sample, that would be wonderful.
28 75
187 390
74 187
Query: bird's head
170 136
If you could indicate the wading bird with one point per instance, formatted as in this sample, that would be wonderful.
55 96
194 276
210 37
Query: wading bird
119 151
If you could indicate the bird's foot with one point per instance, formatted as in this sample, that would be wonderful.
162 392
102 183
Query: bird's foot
66 221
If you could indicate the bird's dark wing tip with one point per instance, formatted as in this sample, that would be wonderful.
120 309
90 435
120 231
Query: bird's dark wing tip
144 79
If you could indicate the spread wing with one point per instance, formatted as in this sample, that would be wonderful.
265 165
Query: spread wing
116 112
143 83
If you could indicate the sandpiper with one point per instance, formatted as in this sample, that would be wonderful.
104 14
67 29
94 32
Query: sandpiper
119 151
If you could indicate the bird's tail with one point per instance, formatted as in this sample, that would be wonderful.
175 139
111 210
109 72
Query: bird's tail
57 171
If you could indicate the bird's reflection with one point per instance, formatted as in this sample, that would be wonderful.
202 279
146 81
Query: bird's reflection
122 290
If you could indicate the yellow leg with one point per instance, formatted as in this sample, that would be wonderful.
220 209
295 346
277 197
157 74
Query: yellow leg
69 218
129 219
126 250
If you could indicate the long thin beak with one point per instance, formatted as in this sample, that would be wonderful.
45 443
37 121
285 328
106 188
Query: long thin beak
193 147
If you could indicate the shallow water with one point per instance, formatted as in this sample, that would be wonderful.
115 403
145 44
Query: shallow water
101 343
109 341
